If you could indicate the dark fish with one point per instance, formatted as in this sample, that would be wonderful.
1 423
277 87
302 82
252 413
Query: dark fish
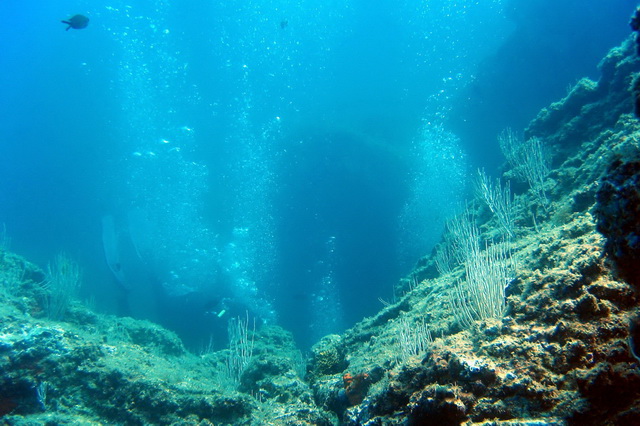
284 24
77 22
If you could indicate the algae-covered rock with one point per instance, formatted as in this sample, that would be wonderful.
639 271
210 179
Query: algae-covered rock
327 356
561 354
150 335
618 212
99 369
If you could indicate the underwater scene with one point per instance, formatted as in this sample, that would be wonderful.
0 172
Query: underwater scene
295 212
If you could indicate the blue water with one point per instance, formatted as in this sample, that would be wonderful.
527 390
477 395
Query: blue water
289 158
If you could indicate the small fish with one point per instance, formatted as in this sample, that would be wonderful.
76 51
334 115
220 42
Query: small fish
77 22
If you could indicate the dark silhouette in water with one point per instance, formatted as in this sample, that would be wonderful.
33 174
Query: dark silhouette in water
634 337
636 97
77 22
635 26
635 20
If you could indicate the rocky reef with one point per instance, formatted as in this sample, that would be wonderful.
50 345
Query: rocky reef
565 352
561 355
100 369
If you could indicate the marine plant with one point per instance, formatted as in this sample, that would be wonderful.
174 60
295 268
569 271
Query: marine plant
481 295
413 339
5 241
529 161
61 284
498 199
241 343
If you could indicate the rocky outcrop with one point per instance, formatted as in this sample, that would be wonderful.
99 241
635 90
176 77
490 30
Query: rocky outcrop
99 369
561 355
618 213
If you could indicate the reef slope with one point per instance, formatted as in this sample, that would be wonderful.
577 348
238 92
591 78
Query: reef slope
561 354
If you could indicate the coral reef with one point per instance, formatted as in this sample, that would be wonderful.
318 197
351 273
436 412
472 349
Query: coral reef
561 355
97 369
565 352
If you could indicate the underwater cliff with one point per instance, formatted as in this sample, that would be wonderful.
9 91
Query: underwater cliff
559 351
